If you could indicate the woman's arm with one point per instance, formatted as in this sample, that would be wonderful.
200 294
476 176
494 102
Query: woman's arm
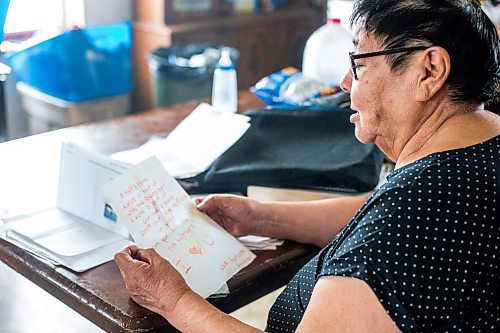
194 314
156 285
338 304
312 222
344 304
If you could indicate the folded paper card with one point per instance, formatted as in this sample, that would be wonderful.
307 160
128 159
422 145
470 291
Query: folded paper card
160 214
82 231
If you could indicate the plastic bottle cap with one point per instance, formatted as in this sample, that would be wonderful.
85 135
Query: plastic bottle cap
225 59
335 20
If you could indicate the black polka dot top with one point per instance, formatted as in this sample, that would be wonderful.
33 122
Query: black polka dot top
426 242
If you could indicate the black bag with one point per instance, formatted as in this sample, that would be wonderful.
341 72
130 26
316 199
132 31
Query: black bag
301 149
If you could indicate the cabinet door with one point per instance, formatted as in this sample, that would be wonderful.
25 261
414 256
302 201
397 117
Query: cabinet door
294 37
146 39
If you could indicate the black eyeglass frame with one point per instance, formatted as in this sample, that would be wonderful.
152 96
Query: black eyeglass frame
354 56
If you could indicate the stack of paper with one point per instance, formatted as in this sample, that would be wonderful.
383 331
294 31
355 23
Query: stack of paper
260 243
194 144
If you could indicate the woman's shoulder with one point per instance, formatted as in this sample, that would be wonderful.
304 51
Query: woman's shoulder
491 119
451 173
484 155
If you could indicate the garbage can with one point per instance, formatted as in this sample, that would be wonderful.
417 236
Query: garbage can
183 72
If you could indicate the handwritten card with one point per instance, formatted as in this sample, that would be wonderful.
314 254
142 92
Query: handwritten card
160 214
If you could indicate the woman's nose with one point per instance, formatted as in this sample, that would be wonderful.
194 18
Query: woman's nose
346 82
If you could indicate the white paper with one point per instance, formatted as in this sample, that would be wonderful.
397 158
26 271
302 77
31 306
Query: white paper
82 231
137 155
260 243
194 144
82 175
254 239
161 215
62 233
78 263
64 239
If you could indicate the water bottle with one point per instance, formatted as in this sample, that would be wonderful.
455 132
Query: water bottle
326 55
299 88
225 88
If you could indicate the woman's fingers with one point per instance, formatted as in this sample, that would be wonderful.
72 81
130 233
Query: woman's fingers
197 201
149 256
205 203
125 256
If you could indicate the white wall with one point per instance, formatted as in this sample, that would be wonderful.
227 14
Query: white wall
343 8
340 9
108 11
17 119
94 12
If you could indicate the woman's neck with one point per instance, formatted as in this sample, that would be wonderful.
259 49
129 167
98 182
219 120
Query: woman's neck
448 129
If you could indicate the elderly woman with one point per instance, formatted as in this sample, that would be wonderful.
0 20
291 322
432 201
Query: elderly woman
421 253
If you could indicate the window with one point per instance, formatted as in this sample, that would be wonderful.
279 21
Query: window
32 15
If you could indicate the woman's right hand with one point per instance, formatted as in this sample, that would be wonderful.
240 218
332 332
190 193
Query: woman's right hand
239 215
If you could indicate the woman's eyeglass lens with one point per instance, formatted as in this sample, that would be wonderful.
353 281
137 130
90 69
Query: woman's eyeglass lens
354 56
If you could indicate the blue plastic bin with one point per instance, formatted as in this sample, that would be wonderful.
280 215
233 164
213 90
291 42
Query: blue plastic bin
4 6
79 65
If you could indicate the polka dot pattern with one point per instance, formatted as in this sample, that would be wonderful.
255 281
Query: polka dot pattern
426 242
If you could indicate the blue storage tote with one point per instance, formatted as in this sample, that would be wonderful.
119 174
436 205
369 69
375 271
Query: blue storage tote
4 6
79 65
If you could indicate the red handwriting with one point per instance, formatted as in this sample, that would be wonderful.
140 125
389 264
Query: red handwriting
245 262
236 259
129 203
187 268
147 204
145 230
195 250
224 265
128 191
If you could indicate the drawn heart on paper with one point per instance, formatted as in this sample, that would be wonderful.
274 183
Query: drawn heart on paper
195 250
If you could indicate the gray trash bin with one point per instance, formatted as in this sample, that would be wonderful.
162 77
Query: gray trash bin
183 72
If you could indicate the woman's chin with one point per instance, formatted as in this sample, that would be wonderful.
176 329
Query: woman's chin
363 137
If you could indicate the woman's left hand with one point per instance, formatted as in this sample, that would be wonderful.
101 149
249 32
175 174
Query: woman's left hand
150 279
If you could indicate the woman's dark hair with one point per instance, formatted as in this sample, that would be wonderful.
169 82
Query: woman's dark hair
459 26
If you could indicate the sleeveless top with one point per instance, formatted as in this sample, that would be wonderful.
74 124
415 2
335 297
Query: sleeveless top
426 242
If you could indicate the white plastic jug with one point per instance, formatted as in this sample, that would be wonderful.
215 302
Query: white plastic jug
326 55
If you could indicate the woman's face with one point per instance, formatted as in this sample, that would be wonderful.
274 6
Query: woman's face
378 96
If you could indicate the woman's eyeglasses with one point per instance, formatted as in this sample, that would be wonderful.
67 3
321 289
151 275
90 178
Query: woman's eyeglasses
384 52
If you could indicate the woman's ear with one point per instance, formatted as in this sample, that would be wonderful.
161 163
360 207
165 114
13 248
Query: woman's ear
435 67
